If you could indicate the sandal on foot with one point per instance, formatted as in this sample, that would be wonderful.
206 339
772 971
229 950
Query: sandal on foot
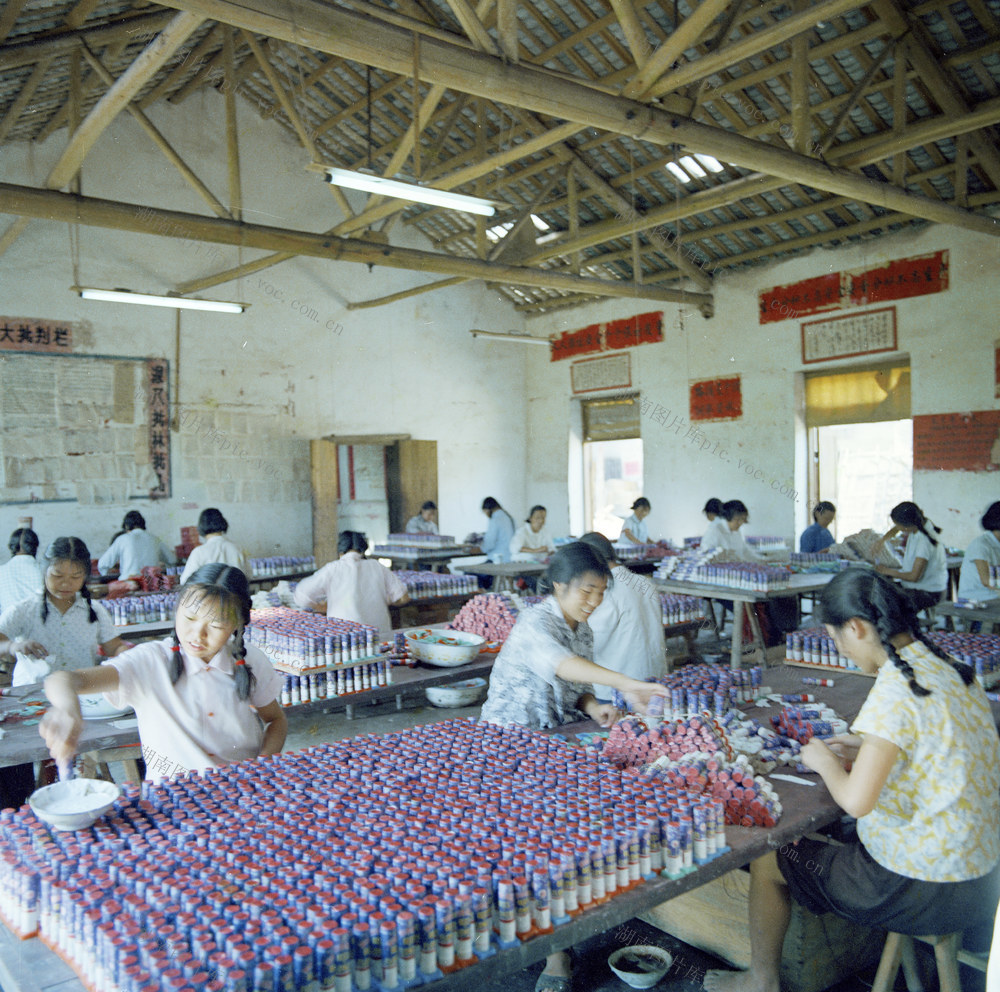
554 983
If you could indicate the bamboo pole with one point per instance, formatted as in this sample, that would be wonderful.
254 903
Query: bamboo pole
159 140
65 207
340 32
405 294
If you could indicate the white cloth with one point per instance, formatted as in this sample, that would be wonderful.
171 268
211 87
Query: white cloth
935 577
70 638
216 548
524 536
730 540
637 528
417 525
20 578
628 629
985 548
190 725
715 535
133 551
353 588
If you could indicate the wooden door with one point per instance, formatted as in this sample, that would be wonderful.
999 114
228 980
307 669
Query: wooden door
323 457
411 479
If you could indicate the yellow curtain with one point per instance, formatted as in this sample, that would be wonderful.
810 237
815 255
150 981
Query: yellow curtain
860 396
611 420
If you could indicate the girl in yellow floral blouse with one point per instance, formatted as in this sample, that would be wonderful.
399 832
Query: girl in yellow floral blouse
921 772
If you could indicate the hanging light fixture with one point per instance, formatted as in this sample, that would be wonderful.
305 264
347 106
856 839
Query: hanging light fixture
369 182
511 336
157 300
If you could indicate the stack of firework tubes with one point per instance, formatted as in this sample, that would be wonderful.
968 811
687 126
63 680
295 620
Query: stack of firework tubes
681 609
320 657
281 565
412 545
429 585
491 615
767 543
438 845
639 552
157 607
814 648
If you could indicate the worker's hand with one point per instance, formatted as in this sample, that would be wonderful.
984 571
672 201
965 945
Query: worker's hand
605 714
60 729
32 649
845 746
819 757
639 696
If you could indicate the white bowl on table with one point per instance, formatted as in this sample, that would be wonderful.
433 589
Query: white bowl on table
74 804
641 965
93 706
443 648
466 693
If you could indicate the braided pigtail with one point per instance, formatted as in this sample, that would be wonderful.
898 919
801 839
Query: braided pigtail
965 671
243 675
892 614
85 592
45 605
175 665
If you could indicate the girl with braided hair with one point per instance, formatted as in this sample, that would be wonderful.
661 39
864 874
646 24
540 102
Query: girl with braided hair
924 573
61 625
921 772
202 697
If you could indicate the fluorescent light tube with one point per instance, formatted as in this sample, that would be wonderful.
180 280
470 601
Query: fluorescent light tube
153 300
381 186
499 336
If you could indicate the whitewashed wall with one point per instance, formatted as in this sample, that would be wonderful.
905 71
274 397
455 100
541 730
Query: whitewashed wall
949 339
253 389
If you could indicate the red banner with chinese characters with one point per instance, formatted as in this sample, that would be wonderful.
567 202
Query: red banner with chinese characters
627 332
717 399
159 425
29 334
918 275
957 441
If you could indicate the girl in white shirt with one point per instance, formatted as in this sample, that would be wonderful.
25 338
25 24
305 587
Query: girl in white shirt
354 587
984 551
202 698
212 527
635 529
924 574
532 541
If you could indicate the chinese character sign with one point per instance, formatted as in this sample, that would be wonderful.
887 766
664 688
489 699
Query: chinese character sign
717 399
918 275
864 333
30 334
159 420
628 332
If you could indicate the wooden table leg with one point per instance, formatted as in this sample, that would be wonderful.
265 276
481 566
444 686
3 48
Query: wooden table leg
736 651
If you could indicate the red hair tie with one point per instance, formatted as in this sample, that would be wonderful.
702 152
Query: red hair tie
241 661
175 647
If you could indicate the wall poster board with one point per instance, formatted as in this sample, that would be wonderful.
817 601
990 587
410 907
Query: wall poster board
86 428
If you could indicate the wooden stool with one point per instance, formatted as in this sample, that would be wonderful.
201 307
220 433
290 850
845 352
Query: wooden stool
947 953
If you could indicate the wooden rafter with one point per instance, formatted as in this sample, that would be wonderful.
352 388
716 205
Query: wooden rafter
109 106
89 211
159 140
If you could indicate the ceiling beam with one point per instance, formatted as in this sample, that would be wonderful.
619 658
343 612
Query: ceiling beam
145 66
683 37
158 139
339 32
69 208
753 44
145 26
